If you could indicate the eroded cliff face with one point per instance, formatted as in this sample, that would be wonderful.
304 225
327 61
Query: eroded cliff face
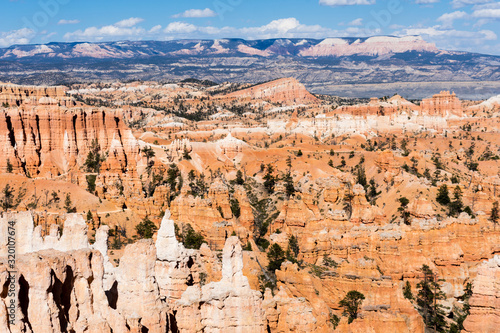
65 133
485 301
64 284
53 142
378 260
14 95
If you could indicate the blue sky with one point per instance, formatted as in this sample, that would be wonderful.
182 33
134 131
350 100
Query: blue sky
469 25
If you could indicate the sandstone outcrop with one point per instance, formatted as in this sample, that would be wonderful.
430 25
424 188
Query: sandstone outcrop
362 211
377 45
422 208
230 146
386 162
289 314
62 292
294 213
137 292
485 301
394 105
177 148
203 215
29 238
175 266
287 91
225 306
442 104
64 289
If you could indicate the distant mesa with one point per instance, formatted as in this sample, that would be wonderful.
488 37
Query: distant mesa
286 91
374 46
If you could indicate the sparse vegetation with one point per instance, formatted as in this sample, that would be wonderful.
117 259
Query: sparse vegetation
235 207
68 204
9 166
443 196
276 257
149 153
146 228
403 209
94 157
91 183
429 293
269 179
351 303
494 214
190 238
407 293
8 197
293 249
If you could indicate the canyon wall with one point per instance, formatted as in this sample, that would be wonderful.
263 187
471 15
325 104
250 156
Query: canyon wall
14 95
53 142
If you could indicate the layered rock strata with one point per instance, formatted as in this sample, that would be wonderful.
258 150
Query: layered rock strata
287 90
53 142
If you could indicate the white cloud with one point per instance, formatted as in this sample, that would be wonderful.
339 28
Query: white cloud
346 2
128 23
196 13
287 28
437 31
425 2
356 22
452 39
495 5
125 29
281 28
487 13
180 27
13 37
448 18
155 29
462 3
489 35
62 22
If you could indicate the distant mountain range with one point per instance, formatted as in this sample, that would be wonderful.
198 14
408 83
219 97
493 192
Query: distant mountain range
328 65
329 47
